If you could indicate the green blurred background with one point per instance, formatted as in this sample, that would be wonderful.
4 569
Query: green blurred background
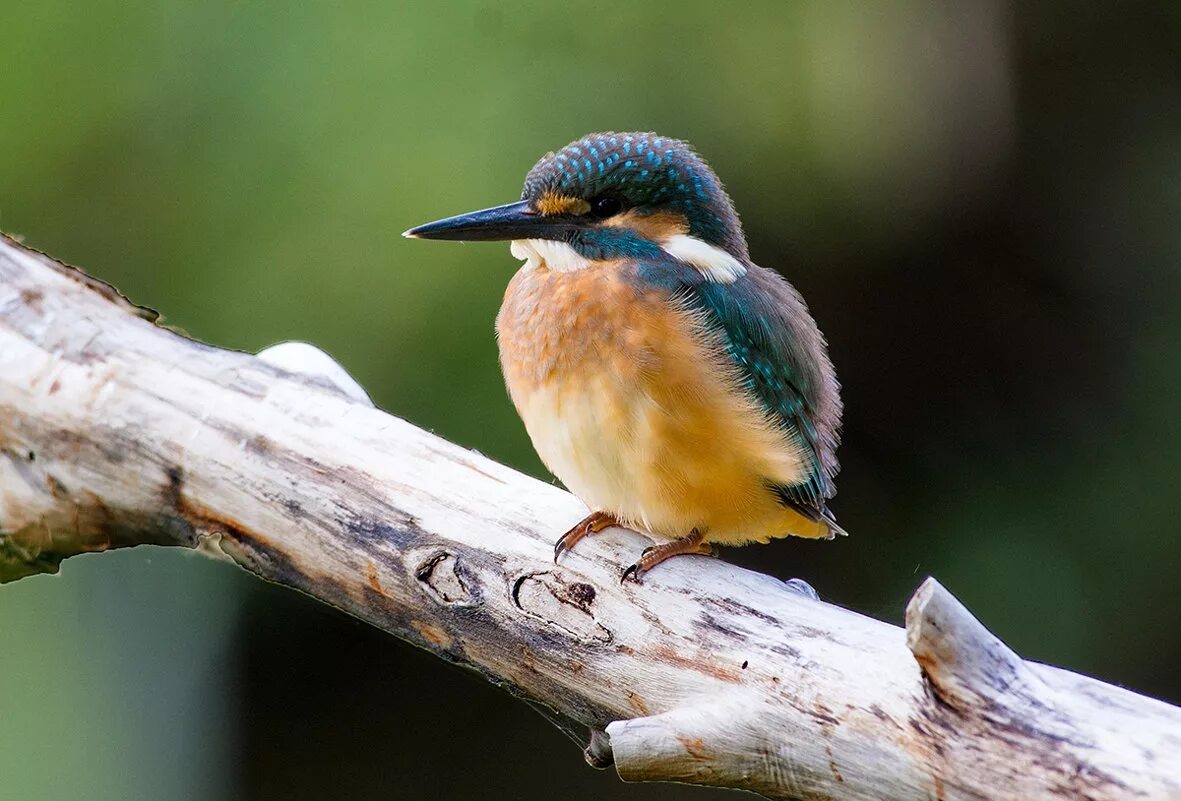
981 202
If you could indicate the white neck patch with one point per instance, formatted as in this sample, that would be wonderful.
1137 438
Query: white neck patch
553 255
714 263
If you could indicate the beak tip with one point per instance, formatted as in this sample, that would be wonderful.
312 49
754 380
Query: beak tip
499 223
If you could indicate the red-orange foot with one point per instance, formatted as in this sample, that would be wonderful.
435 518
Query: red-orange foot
591 524
651 557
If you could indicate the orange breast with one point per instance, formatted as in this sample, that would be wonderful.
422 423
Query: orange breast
633 404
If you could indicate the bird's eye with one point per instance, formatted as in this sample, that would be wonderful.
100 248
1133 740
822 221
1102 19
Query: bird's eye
606 207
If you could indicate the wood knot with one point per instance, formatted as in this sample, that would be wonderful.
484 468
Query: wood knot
565 606
442 576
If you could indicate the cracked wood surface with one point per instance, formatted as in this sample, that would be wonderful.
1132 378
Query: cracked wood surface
116 432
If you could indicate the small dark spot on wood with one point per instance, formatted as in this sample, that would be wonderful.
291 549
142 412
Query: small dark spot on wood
580 594
32 456
31 296
172 492
774 679
745 664
258 445
55 386
56 488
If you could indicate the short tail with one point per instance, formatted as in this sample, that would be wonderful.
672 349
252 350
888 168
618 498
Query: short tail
834 528
823 524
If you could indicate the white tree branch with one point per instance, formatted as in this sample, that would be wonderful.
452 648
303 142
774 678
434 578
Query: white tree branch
117 432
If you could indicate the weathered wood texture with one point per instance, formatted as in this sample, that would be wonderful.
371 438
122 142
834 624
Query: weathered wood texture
116 432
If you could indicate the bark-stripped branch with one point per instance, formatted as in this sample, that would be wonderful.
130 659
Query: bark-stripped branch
117 432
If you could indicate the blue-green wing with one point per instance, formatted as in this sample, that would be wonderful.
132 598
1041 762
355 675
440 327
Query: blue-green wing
780 352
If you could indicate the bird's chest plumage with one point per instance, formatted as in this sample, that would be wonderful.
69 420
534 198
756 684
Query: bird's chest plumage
565 329
575 349
630 402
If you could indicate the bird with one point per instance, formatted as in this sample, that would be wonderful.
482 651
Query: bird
673 385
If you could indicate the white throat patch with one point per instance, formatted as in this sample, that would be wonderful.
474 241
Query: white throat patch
556 256
714 263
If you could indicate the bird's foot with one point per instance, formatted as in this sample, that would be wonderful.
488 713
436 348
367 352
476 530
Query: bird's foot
591 524
654 555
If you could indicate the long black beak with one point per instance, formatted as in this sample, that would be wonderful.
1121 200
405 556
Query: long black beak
511 221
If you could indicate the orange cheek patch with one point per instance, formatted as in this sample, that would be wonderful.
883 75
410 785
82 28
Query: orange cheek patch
655 227
551 204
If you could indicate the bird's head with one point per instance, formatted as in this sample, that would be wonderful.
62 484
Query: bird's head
609 196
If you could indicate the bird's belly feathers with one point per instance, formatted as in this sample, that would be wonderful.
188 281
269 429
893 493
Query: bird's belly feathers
631 403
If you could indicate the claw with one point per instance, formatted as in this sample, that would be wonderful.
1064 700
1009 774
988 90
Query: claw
655 554
560 548
635 571
591 524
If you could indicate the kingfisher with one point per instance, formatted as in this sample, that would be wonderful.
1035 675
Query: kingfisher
673 385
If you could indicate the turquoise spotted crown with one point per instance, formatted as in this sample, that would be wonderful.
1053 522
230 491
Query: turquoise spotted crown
647 173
